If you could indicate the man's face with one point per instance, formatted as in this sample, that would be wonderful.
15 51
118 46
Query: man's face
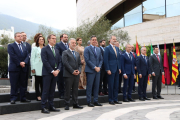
143 51
103 44
156 50
18 37
113 40
128 48
132 47
72 44
65 38
93 41
52 40
24 36
117 44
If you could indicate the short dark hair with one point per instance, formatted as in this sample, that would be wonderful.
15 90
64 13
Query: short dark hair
16 34
37 41
61 36
101 41
155 47
93 36
49 36
77 39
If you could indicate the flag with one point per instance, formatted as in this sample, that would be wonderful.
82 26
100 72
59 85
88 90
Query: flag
166 66
163 79
138 53
148 75
151 49
175 71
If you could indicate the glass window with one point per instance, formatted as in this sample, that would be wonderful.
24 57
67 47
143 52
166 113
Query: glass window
118 24
172 7
134 16
153 9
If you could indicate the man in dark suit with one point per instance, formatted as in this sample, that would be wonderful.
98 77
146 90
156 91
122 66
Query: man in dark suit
103 80
128 63
51 68
112 66
19 59
143 69
157 72
61 46
94 60
135 56
28 47
72 68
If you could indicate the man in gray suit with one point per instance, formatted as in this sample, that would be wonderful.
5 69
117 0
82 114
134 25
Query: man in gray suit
156 66
72 68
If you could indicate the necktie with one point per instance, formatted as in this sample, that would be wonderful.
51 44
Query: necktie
145 59
130 56
20 49
24 44
158 58
95 51
66 45
115 50
74 55
134 55
54 55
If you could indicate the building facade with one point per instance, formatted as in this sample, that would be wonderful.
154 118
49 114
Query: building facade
9 33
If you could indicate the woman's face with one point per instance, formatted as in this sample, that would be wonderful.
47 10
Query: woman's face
79 41
41 41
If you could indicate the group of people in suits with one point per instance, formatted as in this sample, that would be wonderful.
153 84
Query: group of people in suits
60 63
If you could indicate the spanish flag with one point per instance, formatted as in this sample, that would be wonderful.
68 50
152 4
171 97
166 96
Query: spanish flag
138 53
175 71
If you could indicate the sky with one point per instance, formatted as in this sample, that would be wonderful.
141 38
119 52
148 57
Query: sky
60 14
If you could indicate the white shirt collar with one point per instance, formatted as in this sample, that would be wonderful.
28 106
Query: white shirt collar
142 55
50 46
17 43
93 46
111 45
64 43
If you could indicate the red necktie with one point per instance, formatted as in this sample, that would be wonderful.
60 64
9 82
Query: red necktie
158 58
134 55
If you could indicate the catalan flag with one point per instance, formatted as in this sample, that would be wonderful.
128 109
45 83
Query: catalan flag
175 71
138 53
148 76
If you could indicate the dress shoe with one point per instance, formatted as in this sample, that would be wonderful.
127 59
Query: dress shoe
141 99
120 92
53 109
13 102
133 91
131 100
125 100
101 94
44 110
66 107
70 96
111 103
26 100
61 97
145 98
154 97
77 106
90 105
159 97
106 93
117 102
97 104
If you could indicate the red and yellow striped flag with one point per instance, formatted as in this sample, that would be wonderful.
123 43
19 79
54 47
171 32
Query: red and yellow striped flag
148 75
175 71
138 53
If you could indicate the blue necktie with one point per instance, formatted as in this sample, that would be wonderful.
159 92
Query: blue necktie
145 59
74 55
130 56
95 51
20 49
66 45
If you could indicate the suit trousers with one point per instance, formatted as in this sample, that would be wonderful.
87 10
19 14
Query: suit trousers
120 81
142 85
17 80
92 83
71 82
49 84
103 81
61 83
156 83
38 84
113 86
128 83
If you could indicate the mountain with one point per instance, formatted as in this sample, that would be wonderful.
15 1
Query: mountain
19 25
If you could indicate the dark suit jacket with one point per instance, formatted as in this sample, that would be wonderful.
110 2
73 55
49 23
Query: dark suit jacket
16 57
143 67
61 47
127 64
102 52
49 60
156 67
111 62
70 64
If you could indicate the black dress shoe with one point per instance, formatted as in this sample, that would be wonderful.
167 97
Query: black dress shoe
53 109
125 100
13 102
120 92
131 100
159 97
111 103
90 105
97 104
117 102
154 97
66 107
44 110
141 99
146 98
61 97
133 91
77 106
70 96
106 93
26 100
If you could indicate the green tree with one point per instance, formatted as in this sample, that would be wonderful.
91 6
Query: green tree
5 40
3 62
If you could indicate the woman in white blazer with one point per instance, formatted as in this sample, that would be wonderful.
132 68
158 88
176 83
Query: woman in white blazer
36 65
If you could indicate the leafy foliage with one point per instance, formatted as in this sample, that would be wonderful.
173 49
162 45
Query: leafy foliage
3 62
